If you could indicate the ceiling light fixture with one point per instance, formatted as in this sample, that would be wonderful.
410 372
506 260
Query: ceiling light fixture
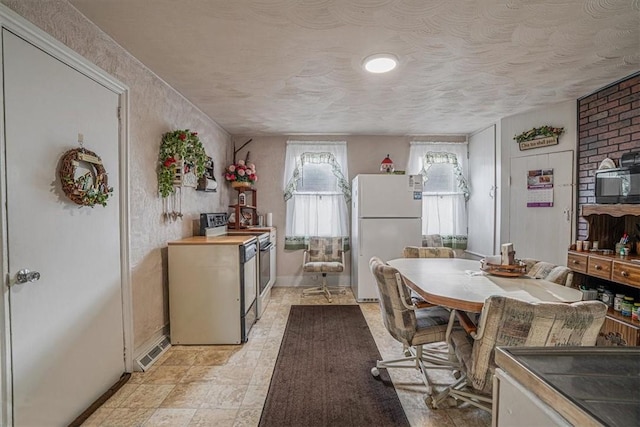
380 63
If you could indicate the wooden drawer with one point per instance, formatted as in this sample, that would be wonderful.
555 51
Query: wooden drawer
577 262
624 272
617 333
599 267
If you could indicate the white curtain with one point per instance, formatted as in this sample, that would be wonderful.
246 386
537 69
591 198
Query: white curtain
316 213
444 208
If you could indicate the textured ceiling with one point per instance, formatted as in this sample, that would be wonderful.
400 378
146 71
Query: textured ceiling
293 66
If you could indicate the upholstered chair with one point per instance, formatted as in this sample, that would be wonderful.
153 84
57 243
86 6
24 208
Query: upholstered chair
426 252
324 255
510 322
432 240
409 325
558 274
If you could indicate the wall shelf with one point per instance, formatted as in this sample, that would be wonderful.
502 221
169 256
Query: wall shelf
615 210
246 215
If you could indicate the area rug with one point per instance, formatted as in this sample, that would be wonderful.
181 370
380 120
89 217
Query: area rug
322 376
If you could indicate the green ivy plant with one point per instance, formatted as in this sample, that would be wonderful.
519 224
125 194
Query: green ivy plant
538 132
180 144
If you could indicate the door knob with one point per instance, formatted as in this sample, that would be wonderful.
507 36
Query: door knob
25 276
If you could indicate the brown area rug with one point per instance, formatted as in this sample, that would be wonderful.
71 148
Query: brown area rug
323 373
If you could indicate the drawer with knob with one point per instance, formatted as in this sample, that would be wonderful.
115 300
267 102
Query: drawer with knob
624 272
577 262
599 267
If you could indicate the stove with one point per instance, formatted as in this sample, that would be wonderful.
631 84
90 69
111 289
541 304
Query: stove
214 224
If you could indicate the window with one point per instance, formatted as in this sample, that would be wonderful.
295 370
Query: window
445 191
316 191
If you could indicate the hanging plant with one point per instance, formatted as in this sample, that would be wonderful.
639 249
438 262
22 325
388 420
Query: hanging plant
179 145
538 132
90 188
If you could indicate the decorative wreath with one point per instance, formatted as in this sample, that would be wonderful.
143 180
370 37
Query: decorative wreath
538 132
89 189
179 145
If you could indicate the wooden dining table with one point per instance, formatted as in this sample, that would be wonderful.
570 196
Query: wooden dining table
461 285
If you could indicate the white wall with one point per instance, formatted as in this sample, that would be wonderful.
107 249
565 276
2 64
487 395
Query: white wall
558 115
155 108
365 154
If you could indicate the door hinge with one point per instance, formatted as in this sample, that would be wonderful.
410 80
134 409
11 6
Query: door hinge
119 112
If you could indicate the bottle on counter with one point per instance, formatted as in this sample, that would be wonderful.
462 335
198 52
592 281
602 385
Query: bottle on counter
635 314
617 302
627 306
607 298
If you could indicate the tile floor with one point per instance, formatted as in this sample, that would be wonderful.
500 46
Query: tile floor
227 385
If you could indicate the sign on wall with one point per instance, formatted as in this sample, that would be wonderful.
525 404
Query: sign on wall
537 143
540 188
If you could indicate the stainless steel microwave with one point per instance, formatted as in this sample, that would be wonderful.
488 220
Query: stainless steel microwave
620 185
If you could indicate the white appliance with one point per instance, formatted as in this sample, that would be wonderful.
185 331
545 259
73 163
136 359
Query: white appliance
213 224
212 288
266 266
386 216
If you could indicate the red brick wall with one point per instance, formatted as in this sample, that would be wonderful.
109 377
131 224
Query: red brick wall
608 126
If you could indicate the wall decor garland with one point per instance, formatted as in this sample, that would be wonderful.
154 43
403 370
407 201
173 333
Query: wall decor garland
92 187
538 137
181 163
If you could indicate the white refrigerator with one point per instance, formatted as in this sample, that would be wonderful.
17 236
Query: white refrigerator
385 217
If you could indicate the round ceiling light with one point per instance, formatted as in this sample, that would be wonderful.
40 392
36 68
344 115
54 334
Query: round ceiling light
380 63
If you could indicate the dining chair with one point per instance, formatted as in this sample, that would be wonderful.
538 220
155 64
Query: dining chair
506 321
409 325
426 252
558 274
324 255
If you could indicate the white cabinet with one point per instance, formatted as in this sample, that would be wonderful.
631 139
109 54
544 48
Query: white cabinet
514 405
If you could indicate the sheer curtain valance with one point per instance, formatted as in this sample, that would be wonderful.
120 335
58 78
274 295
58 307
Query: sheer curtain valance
316 191
445 193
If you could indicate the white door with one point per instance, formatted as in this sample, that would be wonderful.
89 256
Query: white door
482 202
66 328
542 233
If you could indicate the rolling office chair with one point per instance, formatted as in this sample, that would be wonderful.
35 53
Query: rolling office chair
324 255
510 322
409 325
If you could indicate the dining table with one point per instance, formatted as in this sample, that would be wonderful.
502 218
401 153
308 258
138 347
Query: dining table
460 284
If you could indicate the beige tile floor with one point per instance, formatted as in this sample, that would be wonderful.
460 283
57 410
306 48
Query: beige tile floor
227 385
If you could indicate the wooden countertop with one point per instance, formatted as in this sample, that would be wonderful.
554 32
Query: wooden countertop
215 240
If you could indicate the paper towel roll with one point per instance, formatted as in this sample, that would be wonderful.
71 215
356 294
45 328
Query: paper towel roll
269 219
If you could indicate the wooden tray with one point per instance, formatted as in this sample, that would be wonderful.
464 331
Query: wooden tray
503 270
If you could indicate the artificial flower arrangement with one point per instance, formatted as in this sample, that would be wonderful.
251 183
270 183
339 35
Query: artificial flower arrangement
179 145
538 132
241 171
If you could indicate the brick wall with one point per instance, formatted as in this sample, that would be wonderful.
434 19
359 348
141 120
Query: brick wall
608 126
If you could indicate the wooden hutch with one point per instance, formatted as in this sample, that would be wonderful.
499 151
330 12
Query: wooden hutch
619 274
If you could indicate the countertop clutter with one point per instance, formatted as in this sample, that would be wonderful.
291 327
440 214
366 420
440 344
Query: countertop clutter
574 382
